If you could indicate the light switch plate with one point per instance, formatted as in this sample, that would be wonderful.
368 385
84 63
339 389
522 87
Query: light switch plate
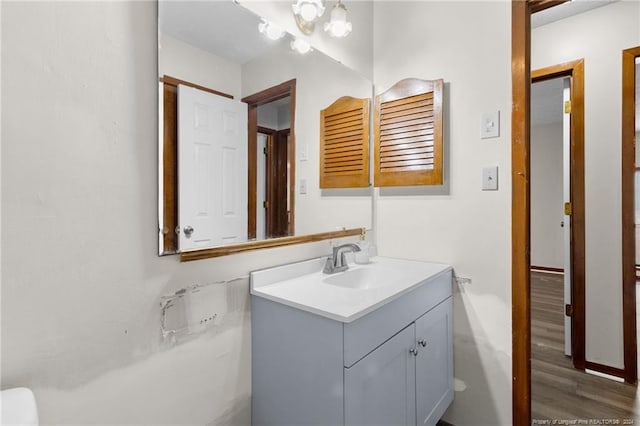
490 178
303 150
490 125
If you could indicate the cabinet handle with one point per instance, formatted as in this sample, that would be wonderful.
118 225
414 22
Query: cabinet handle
422 343
413 351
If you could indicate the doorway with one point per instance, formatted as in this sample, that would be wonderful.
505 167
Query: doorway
274 212
274 158
521 78
551 251
566 82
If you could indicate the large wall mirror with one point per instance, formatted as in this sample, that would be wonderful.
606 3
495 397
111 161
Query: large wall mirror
220 78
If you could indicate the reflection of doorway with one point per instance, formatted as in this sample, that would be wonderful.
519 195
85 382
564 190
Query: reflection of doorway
551 279
276 207
273 176
570 94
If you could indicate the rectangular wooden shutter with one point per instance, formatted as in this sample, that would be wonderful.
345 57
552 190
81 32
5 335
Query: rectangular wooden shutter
408 134
344 144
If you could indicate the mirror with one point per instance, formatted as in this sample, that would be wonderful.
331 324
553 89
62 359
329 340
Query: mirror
215 47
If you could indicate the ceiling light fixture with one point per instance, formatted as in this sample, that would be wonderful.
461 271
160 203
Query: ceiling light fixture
270 30
338 26
300 46
307 12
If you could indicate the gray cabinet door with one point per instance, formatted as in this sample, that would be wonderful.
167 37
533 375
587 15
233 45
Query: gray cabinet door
380 388
434 363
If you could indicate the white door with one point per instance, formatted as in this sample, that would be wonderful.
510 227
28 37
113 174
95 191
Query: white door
212 169
566 184
434 363
261 187
380 388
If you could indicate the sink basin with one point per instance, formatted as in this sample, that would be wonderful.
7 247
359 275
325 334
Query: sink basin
344 296
365 277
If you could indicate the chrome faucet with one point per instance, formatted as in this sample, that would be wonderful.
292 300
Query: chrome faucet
337 262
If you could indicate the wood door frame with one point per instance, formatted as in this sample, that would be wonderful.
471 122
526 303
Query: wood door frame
282 90
574 70
628 213
169 158
520 212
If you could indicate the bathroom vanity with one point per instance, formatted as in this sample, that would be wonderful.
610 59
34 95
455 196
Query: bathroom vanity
368 346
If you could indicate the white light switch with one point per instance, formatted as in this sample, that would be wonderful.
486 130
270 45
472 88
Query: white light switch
303 152
303 186
490 125
490 178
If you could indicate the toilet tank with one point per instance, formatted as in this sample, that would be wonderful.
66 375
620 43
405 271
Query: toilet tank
18 407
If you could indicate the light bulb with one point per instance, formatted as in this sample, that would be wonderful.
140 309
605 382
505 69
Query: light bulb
338 25
308 10
270 30
300 46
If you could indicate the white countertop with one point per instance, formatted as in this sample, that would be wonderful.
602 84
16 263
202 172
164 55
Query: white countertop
303 285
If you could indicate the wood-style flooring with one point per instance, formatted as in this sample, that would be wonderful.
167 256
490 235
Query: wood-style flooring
560 392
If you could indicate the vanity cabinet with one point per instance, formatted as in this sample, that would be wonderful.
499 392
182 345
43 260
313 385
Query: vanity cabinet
392 366
408 377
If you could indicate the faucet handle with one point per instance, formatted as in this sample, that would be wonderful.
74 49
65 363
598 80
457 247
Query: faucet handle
328 266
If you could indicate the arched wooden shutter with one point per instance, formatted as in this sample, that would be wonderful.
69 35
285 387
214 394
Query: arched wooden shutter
344 144
408 134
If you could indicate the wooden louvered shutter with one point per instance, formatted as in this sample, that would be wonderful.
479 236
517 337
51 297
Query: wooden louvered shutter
344 144
408 134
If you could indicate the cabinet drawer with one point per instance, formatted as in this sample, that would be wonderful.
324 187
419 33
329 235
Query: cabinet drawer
365 334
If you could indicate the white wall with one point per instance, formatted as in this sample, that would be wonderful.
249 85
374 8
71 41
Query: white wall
598 36
320 81
81 281
181 60
547 209
463 226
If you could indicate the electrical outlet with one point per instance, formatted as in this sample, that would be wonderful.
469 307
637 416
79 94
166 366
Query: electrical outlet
303 186
490 178
463 280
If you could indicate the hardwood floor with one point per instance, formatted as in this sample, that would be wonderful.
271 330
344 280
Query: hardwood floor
560 392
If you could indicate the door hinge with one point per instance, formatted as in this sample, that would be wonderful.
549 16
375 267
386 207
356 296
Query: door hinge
567 107
568 209
264 150
568 310
265 204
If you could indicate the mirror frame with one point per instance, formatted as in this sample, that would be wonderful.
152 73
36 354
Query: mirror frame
191 255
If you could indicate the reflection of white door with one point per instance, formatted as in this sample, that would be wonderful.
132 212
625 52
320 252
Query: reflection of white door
566 177
261 187
212 169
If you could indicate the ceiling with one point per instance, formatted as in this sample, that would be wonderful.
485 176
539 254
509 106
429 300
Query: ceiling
565 10
223 28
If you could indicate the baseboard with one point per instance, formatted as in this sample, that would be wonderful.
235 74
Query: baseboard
547 269
606 369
